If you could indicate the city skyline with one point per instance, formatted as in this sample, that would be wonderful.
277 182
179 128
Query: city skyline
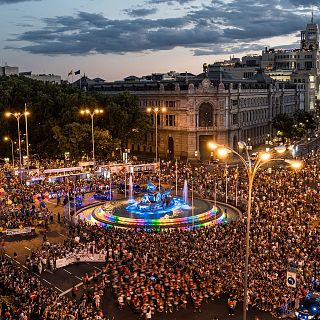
114 40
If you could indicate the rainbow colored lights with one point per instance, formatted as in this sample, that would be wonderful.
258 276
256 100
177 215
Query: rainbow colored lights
198 220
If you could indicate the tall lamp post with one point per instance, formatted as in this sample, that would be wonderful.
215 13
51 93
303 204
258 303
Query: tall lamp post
92 114
251 169
18 115
26 113
156 110
12 148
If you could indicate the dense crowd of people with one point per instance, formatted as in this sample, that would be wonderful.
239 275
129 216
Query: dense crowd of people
161 272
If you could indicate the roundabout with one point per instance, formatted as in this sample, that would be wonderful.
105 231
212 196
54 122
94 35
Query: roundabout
154 210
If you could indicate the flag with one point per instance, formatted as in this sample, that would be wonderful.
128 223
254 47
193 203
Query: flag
70 73
77 72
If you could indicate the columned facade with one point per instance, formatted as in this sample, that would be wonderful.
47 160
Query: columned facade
204 110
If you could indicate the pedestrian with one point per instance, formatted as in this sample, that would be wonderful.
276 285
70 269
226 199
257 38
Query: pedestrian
148 313
231 305
59 217
74 293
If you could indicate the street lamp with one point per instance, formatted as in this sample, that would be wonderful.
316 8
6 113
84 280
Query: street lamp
156 110
92 114
12 150
26 113
251 169
17 115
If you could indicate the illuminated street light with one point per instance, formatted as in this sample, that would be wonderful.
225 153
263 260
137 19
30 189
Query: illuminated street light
12 148
251 169
92 114
156 110
18 115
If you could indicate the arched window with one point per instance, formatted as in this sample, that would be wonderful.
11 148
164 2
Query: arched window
205 115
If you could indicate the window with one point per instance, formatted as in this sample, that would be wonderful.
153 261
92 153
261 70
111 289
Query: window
235 119
170 120
234 103
205 115
170 104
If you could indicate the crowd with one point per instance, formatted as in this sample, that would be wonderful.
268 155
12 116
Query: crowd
161 272
33 300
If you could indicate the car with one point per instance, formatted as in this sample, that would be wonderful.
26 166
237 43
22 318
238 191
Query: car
309 308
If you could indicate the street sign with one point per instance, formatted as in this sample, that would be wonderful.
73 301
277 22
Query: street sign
291 279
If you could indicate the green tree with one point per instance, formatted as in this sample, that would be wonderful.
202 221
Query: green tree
74 138
284 124
304 119
126 120
105 145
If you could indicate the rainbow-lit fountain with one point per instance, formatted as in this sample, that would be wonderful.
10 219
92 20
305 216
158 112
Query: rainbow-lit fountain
156 208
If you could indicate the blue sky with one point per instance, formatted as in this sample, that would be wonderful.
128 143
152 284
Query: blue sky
116 38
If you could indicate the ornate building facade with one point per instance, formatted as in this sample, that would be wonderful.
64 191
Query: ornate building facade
210 106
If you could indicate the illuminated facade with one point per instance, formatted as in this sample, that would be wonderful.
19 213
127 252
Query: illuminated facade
210 106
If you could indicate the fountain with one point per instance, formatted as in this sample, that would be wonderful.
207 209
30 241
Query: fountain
153 200
156 208
185 206
185 192
130 190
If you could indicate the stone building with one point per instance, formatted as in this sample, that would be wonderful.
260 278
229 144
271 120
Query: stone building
210 106
299 65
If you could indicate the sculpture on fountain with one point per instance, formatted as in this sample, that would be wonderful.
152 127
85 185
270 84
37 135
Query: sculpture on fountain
154 199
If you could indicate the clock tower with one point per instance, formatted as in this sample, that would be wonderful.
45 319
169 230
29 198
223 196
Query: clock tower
310 36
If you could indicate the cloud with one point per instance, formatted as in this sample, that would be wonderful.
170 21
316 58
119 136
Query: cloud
218 27
305 3
141 12
14 1
171 2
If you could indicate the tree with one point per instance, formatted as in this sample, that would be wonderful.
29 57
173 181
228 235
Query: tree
74 138
304 119
124 109
105 145
284 124
55 125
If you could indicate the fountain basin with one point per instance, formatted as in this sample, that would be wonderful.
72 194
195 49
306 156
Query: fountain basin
116 214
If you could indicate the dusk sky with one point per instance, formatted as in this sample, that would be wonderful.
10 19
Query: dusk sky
113 39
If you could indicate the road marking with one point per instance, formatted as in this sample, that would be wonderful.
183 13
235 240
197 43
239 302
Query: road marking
7 256
62 235
97 268
67 271
18 262
77 285
78 277
25 267
68 290
58 289
47 281
28 248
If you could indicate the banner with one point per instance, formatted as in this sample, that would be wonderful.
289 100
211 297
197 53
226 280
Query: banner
80 257
11 232
60 263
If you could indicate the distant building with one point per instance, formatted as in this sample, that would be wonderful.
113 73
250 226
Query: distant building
9 71
46 78
213 105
